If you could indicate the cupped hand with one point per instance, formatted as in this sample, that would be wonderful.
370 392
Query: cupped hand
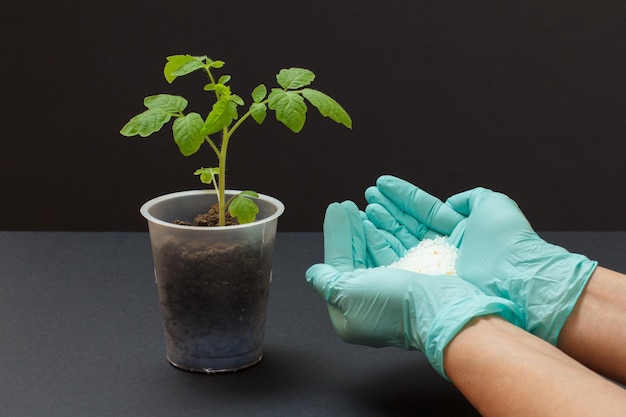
392 307
499 251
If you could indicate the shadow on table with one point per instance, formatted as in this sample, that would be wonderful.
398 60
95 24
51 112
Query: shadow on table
416 391
280 372
295 379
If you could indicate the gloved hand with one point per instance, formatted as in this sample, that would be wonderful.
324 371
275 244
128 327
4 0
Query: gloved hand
392 307
499 252
405 215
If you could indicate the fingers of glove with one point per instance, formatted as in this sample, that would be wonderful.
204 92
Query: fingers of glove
385 214
370 329
344 238
359 245
368 325
456 237
464 202
405 228
427 209
382 247
339 321
323 278
496 209
338 238
327 281
346 328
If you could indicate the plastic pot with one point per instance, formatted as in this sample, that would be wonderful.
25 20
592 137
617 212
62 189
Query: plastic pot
213 282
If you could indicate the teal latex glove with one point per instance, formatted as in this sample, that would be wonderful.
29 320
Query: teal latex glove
409 214
499 252
392 307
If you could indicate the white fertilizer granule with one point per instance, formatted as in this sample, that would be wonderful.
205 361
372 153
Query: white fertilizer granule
431 256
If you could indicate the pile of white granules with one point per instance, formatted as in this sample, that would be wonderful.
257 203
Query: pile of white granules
431 256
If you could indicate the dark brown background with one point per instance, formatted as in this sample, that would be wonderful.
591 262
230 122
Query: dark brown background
523 97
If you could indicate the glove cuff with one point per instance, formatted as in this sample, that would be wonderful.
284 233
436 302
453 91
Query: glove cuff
454 317
549 328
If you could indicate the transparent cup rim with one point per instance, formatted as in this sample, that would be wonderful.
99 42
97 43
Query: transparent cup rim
145 210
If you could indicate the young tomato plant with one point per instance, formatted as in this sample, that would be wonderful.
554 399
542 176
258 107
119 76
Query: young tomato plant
191 130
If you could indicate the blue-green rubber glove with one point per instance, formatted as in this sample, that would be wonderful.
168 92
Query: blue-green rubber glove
499 252
408 214
393 307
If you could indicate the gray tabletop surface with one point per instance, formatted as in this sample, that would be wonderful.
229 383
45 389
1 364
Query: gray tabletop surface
81 336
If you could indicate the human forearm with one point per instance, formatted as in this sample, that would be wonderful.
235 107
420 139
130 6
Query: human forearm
595 332
504 371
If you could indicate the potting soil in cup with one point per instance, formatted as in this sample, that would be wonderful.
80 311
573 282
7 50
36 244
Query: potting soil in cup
431 256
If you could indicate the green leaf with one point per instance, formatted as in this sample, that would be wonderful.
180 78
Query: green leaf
178 65
259 93
243 208
250 193
237 99
224 79
222 115
327 106
188 133
293 78
222 90
166 102
207 175
146 123
290 108
258 112
215 64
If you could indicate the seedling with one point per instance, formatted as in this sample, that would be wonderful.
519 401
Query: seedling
191 130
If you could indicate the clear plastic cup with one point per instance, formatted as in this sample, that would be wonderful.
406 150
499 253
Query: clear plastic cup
213 282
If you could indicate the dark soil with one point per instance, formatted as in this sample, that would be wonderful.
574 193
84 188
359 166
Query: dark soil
214 298
209 219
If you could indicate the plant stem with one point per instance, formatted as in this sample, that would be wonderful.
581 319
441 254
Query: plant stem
226 134
222 178
213 146
221 154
